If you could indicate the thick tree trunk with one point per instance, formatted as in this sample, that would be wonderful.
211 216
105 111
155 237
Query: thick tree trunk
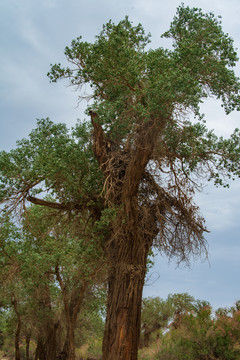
69 346
126 280
122 331
132 234
51 341
47 344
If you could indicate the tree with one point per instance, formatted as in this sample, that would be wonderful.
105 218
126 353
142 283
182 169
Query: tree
182 304
225 334
53 270
190 340
43 160
155 315
9 269
201 335
145 159
27 289
168 314
73 261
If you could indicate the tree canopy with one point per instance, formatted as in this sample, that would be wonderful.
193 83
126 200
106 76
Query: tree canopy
131 88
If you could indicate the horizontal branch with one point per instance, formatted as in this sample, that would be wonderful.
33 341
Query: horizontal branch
52 204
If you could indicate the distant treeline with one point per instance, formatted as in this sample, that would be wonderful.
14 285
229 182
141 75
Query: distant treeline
182 328
177 328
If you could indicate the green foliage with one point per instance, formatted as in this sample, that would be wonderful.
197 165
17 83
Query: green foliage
102 227
118 69
3 326
29 257
206 54
131 84
156 313
51 160
159 315
199 333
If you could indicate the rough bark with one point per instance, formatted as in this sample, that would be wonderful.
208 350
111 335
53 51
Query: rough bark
122 330
131 238
128 252
47 344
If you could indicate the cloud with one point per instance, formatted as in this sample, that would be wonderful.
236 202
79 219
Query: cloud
220 206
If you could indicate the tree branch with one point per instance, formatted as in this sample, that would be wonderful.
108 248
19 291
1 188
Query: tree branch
140 155
99 145
50 204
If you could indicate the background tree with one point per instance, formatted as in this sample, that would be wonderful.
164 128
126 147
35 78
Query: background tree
11 289
181 304
164 315
156 314
146 158
74 261
202 335
27 282
43 258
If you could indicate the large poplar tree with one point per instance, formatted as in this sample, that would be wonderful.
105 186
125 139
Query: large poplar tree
149 156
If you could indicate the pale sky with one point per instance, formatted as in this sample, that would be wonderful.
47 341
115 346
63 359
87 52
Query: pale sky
33 34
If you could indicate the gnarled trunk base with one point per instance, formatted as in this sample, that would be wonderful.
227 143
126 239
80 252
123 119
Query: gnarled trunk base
126 280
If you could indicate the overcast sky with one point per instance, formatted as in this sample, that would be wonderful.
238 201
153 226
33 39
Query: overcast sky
34 34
